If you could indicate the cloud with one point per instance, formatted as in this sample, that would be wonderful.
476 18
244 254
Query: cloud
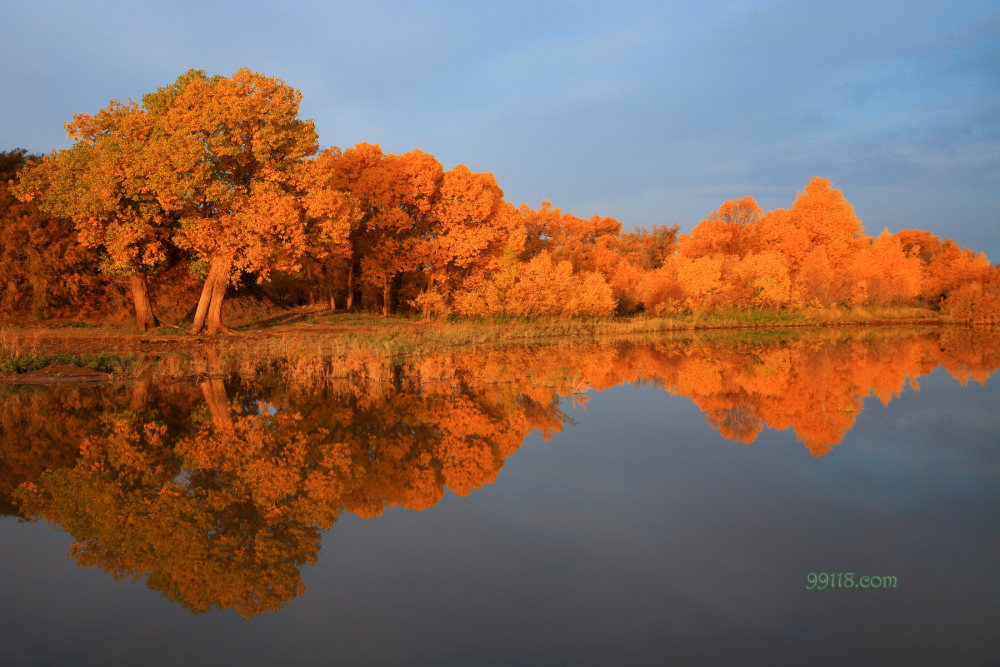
648 112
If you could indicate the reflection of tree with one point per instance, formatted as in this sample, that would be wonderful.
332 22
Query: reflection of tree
41 428
222 507
815 384
217 496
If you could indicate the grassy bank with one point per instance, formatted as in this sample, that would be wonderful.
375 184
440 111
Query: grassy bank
312 334
116 364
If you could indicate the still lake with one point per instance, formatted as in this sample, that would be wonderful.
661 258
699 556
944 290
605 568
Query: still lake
654 502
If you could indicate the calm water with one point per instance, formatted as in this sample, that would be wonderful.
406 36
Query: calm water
628 504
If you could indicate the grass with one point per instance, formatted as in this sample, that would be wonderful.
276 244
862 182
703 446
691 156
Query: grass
116 364
350 340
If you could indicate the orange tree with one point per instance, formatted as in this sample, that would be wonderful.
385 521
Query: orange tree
394 195
204 165
224 162
471 224
334 217
44 268
102 185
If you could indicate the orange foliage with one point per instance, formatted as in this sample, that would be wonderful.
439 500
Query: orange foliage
732 230
700 280
765 276
945 265
565 236
100 185
884 274
215 172
820 218
224 163
538 287
976 302
44 269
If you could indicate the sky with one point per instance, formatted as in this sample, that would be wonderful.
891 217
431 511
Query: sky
650 113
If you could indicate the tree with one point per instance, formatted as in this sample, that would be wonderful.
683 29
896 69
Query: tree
470 224
565 236
44 268
102 184
820 216
946 266
540 286
224 163
819 237
766 277
204 164
883 273
395 194
334 216
731 230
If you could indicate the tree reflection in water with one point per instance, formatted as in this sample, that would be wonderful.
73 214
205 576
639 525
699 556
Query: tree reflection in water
216 492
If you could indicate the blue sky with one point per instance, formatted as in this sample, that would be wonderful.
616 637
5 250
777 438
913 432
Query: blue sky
646 112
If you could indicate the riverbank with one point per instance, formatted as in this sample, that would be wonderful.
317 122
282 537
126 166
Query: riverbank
310 333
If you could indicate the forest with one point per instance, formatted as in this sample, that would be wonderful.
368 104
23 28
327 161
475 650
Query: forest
214 185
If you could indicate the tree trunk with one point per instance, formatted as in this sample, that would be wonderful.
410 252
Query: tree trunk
144 317
327 286
350 287
203 300
427 304
212 293
140 395
215 307
214 391
386 295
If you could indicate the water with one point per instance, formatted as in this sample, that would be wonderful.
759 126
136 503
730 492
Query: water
642 503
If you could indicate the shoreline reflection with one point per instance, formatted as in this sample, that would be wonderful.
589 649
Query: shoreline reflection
216 491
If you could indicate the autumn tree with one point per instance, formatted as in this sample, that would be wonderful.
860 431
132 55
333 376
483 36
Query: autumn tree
945 265
818 237
537 287
102 184
731 230
470 224
764 275
44 269
334 218
204 164
224 163
647 248
395 194
976 302
565 236
707 259
883 273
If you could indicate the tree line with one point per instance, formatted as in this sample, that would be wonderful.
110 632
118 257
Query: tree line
217 180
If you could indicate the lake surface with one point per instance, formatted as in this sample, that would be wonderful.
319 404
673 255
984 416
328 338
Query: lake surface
644 503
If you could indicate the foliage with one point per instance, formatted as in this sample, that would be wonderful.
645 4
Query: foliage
218 174
976 302
538 287
44 268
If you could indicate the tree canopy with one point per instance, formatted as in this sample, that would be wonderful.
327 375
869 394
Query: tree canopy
221 175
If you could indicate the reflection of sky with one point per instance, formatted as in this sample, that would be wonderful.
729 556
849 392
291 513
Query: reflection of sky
636 536
647 112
